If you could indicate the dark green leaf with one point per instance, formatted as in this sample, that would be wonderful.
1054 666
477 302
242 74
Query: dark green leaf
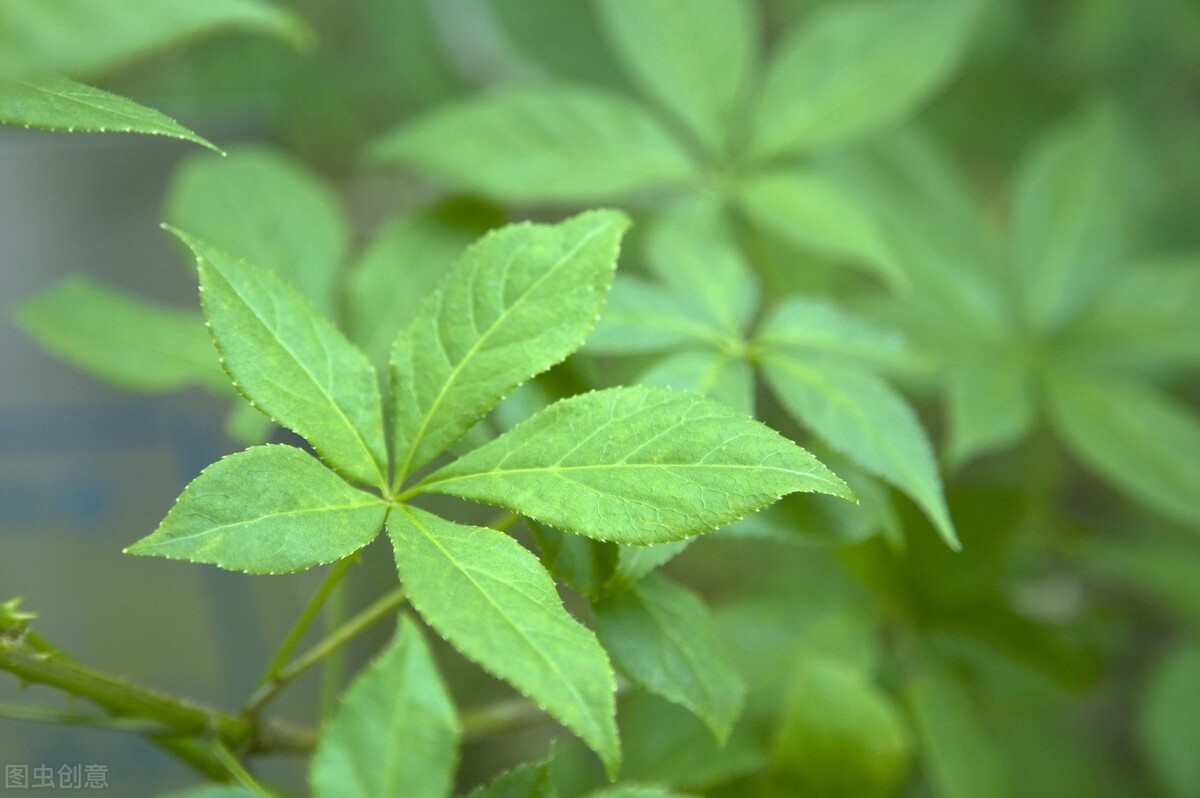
269 509
395 731
494 602
1169 722
531 780
635 465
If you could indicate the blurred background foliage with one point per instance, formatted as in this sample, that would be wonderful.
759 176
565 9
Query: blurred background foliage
1013 243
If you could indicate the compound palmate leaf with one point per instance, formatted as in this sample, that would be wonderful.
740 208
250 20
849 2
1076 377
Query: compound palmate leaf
292 364
54 103
395 732
520 300
635 465
269 509
494 602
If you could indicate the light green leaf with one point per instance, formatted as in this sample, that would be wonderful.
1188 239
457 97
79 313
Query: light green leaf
692 249
293 364
989 406
78 36
818 215
213 792
1134 436
693 58
122 339
635 465
54 103
662 637
261 206
269 509
839 734
401 265
1070 218
531 780
540 144
1169 722
1144 319
395 731
955 751
806 326
635 791
856 68
494 602
861 416
641 317
728 379
519 301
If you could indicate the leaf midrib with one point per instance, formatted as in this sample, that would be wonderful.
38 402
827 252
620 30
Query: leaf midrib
328 508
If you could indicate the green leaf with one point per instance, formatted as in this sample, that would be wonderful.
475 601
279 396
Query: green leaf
635 465
1169 722
856 68
540 144
693 59
293 364
636 562
1070 218
269 509
531 780
1134 436
818 215
662 637
839 734
395 731
54 103
122 339
266 208
692 249
635 791
519 301
1144 319
990 406
213 792
77 36
401 265
805 326
583 563
728 379
494 602
641 317
955 751
861 416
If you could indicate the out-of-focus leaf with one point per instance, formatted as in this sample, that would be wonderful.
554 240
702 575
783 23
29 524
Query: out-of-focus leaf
82 36
1070 218
123 339
661 636
507 617
692 250
861 416
816 214
260 205
395 731
1158 568
1134 436
531 780
269 509
641 317
583 563
635 465
839 734
692 58
540 144
635 562
54 103
728 379
990 405
1169 722
814 325
855 68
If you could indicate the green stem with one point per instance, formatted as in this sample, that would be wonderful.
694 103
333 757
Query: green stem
238 770
333 671
331 581
504 521
342 635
